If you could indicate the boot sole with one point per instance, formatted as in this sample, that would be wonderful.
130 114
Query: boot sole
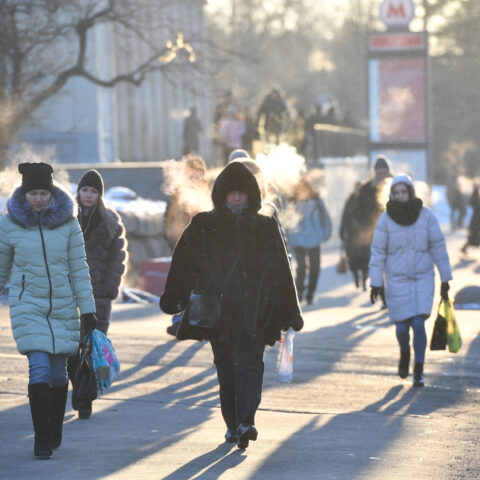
43 456
243 440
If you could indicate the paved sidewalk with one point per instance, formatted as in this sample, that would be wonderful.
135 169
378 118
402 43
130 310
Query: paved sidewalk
347 415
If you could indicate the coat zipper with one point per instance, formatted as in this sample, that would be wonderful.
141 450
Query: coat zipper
23 287
49 281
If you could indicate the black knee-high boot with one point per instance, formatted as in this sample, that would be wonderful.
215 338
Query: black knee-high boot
39 396
59 399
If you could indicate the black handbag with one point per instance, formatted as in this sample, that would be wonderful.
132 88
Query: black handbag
84 383
204 310
439 335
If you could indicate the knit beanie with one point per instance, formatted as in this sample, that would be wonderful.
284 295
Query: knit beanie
91 178
36 176
382 161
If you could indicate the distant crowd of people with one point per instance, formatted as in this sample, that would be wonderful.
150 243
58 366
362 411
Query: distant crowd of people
273 122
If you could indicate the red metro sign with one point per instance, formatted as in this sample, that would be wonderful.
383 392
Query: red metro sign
397 13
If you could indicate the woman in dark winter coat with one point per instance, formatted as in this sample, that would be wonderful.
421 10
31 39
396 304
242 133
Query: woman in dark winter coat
312 228
406 245
41 250
105 246
474 227
235 252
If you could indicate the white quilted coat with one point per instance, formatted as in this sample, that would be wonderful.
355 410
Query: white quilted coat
403 257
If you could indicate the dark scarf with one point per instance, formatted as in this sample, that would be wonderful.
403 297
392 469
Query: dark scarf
88 218
404 213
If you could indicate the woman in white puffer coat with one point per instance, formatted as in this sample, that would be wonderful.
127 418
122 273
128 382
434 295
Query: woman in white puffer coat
406 245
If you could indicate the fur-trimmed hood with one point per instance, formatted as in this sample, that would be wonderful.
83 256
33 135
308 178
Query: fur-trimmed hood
236 176
60 210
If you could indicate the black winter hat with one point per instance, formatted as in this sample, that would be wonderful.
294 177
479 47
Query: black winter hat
36 176
236 176
91 178
383 161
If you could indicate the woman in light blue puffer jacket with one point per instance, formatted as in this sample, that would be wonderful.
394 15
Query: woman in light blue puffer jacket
311 228
406 245
41 250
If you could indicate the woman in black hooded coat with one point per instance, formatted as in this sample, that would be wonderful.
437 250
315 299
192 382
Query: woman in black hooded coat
105 247
235 251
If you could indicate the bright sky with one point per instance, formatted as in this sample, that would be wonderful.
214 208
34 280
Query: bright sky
215 5
336 8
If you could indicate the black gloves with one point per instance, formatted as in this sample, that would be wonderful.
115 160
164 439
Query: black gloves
297 323
444 288
375 292
89 321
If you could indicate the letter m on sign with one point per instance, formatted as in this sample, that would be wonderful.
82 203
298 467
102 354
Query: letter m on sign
396 10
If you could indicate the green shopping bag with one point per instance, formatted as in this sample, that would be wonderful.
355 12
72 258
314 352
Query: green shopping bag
454 338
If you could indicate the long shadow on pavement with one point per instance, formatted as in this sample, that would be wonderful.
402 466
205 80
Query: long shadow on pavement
336 442
211 464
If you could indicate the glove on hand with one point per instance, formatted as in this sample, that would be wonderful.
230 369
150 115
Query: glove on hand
374 293
89 320
297 323
444 288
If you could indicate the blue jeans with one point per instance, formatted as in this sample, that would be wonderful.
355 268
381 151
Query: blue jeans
419 336
47 368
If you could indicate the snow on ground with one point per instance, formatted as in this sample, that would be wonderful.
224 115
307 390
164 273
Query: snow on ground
124 199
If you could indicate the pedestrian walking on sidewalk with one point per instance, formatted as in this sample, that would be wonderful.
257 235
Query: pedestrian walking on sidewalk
105 247
235 252
312 228
41 249
407 243
474 227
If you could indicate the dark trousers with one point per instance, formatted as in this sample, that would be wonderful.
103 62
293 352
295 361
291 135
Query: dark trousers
301 255
240 376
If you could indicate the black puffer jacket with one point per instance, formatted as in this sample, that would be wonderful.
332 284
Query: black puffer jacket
105 247
260 298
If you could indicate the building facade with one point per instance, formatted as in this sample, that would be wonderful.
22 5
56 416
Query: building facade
87 123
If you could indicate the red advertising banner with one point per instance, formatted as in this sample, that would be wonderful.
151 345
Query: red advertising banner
400 105
385 42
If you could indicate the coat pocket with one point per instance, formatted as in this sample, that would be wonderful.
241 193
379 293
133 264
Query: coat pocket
71 284
23 288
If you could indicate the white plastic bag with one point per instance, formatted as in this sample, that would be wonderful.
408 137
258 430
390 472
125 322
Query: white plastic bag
285 356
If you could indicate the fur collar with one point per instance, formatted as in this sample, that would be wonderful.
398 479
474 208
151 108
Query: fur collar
59 212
